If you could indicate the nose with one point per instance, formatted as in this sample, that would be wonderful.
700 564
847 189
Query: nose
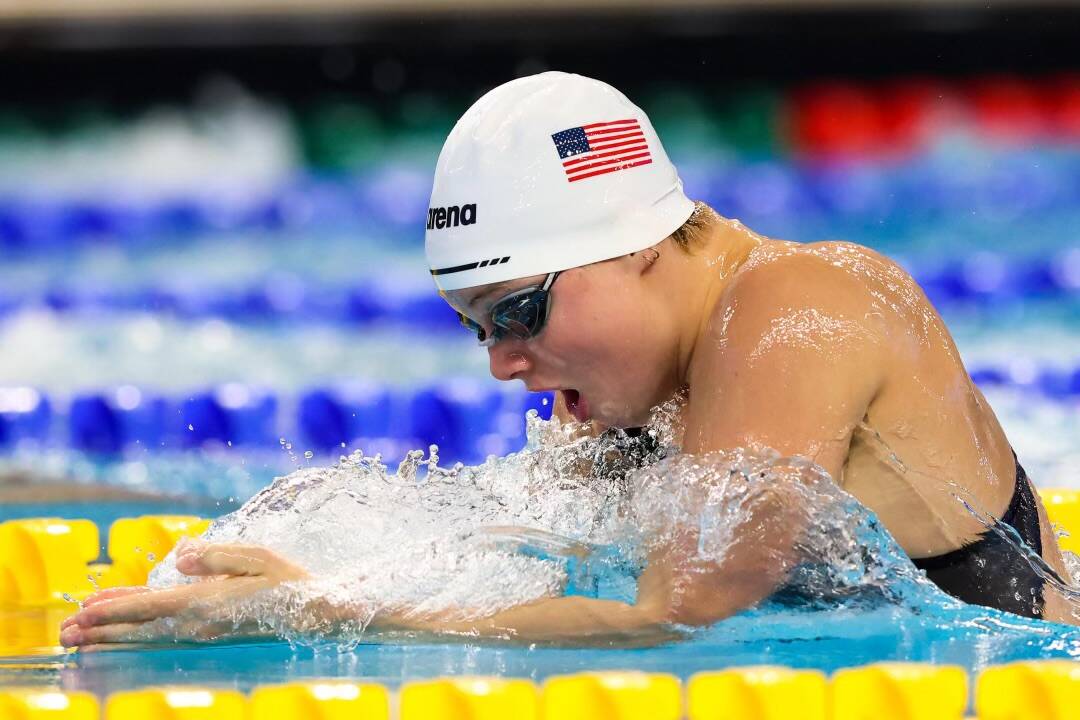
507 360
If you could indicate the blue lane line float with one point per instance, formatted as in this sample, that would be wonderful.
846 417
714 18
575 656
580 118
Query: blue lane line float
128 417
95 426
391 199
467 418
329 419
106 423
25 414
1055 383
451 415
290 300
982 278
232 414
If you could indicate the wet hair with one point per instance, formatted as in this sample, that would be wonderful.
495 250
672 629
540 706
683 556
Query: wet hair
692 232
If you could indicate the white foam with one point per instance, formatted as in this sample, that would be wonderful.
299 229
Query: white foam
475 540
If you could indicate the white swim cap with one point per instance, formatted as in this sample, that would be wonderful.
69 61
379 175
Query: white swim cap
546 173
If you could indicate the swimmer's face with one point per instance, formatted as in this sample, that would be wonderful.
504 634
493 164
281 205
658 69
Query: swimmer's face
603 345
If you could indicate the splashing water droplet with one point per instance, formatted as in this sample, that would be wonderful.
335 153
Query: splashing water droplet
420 532
191 427
569 512
308 454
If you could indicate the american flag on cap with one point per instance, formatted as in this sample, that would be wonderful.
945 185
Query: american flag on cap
601 147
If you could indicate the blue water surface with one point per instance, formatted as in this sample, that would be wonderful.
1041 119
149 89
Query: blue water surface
906 620
822 639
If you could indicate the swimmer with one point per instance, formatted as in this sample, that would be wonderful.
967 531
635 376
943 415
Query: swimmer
559 231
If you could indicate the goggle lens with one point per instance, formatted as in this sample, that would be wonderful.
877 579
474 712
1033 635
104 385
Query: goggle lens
522 314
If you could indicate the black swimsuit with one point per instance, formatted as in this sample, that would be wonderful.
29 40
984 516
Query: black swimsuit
992 571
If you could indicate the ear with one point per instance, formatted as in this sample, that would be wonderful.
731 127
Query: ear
648 258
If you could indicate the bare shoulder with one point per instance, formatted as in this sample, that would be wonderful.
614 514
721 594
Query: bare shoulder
837 291
793 353
830 271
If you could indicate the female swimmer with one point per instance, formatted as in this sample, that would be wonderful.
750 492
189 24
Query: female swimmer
559 231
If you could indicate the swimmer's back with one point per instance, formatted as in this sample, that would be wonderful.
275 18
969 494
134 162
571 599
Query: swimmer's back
927 432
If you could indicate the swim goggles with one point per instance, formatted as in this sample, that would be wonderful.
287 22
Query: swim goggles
521 314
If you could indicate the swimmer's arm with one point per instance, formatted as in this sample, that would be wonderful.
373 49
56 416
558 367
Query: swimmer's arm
666 597
795 369
673 591
792 360
564 619
571 618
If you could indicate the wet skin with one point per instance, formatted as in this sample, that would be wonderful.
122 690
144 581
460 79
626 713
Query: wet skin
825 350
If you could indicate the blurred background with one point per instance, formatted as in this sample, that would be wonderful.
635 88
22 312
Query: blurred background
211 213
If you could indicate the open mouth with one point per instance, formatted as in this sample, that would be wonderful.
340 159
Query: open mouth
576 404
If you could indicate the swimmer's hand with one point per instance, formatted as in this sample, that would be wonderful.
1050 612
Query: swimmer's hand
227 573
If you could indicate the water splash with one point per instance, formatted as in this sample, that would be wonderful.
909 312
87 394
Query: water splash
569 514
1059 590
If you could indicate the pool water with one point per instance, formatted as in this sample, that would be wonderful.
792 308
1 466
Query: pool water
822 639
912 621
104 513
218 324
